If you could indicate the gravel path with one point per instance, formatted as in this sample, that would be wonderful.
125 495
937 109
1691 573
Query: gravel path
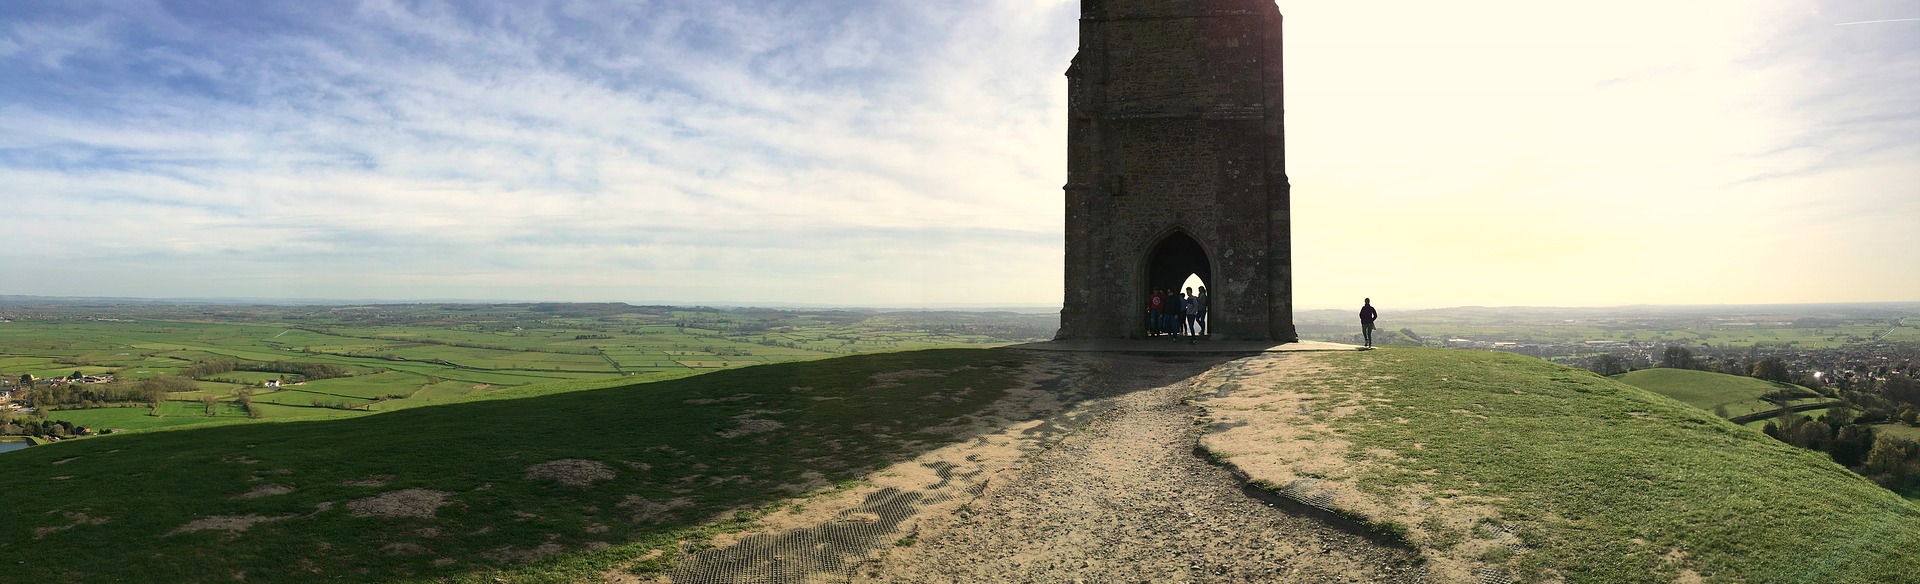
1125 499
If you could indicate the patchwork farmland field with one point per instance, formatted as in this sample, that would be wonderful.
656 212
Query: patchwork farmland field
1724 395
389 357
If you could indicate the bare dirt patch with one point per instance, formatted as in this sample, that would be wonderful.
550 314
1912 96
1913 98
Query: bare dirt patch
74 519
1271 418
825 534
264 490
369 481
401 503
239 460
899 378
643 510
232 524
1086 473
572 472
746 423
1124 498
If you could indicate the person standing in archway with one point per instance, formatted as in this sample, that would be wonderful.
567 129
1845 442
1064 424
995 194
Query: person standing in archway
1202 317
1367 316
1156 304
1190 315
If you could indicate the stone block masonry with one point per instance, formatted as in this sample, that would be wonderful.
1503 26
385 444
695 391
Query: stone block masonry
1177 166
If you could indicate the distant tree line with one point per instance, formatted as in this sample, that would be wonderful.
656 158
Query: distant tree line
306 370
93 395
1836 433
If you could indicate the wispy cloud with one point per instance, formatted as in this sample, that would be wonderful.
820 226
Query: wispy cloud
1876 22
742 151
875 151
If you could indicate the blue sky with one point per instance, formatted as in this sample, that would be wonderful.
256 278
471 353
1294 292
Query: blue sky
911 153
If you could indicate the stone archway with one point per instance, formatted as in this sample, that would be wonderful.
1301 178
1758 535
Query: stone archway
1169 262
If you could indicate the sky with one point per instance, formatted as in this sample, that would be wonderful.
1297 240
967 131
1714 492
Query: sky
910 153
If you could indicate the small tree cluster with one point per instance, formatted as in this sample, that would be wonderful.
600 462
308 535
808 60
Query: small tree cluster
38 427
1770 369
1609 364
1836 434
1678 358
1894 463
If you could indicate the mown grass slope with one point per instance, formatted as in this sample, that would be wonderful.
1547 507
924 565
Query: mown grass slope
1713 391
554 487
1594 480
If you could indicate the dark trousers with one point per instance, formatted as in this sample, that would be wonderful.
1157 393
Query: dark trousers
1366 330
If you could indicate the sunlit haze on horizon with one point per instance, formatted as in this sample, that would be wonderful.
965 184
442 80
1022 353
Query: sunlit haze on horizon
865 153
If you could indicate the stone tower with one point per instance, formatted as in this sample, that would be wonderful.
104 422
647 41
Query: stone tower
1176 165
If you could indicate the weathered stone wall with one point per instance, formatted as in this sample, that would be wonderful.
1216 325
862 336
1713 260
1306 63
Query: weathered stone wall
1175 126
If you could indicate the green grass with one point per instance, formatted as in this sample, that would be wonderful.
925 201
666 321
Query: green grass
661 440
1762 422
1712 391
1602 480
176 414
435 354
367 386
254 376
1898 430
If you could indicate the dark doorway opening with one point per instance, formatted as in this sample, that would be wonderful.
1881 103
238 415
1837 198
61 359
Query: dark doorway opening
1170 264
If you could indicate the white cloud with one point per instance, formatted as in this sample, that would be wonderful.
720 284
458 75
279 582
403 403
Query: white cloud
1498 152
666 151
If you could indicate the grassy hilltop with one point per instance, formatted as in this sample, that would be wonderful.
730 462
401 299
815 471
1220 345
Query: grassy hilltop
1486 463
556 487
1493 463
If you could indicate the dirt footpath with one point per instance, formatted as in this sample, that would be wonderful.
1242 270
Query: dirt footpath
1092 477
1125 499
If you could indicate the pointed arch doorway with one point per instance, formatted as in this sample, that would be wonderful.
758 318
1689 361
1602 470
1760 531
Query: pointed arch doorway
1170 264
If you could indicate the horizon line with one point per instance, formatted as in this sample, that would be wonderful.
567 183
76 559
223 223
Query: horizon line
982 307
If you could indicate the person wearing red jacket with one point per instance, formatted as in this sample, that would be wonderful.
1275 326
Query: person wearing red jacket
1155 307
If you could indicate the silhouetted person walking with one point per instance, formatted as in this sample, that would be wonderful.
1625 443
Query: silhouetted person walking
1367 316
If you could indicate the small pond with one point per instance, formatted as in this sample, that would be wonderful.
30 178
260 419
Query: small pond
11 446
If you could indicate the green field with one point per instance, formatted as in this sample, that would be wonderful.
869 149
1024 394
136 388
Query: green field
1573 477
1727 395
175 414
407 355
121 508
1899 430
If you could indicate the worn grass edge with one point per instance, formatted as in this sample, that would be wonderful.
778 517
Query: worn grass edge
1384 533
